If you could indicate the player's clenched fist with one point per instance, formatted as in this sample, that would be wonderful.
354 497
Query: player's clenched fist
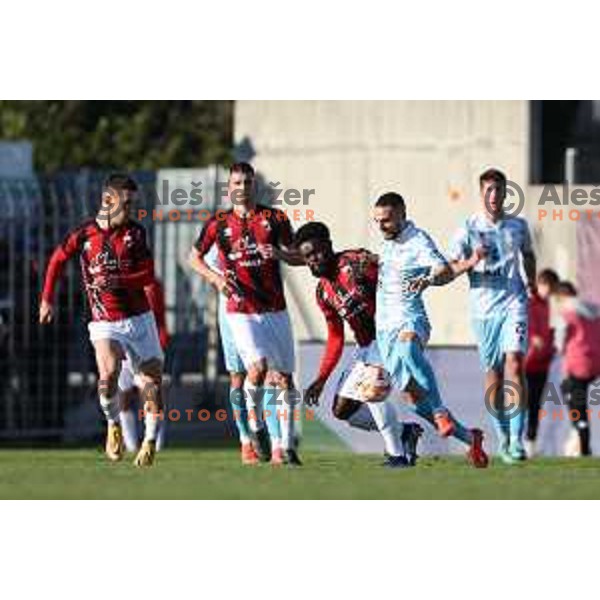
46 312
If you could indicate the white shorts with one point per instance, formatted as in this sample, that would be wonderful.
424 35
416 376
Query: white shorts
265 335
137 336
359 372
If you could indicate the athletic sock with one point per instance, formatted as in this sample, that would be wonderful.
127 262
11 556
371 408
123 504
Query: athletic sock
240 413
501 427
151 422
129 426
363 419
255 402
391 430
461 433
285 412
516 427
110 408
422 372
253 405
270 416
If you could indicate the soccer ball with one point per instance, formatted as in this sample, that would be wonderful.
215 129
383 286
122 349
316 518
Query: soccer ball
376 384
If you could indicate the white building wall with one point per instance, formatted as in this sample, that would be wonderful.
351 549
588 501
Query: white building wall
430 151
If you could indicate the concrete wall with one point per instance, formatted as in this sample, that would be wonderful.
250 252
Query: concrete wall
430 151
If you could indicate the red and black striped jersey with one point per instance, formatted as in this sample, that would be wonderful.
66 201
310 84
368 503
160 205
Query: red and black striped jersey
116 265
348 296
258 279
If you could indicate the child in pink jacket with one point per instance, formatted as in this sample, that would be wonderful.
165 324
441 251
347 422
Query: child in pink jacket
579 342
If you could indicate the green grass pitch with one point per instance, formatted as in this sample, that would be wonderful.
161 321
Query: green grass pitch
217 473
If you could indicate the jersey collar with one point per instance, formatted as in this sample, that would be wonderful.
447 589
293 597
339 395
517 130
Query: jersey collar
407 230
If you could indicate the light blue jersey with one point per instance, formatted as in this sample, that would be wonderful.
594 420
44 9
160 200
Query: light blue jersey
498 295
409 255
496 282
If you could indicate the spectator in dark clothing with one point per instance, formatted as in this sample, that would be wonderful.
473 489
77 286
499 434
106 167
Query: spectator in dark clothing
540 351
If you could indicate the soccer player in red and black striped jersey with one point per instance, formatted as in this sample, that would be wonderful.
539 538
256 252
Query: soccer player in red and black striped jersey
252 239
116 266
346 292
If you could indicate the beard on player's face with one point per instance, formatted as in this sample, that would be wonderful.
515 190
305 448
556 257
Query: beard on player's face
390 221
390 229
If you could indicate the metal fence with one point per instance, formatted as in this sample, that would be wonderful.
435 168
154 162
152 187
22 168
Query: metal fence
47 371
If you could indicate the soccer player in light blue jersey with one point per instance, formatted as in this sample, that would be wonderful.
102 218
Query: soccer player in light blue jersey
495 250
409 262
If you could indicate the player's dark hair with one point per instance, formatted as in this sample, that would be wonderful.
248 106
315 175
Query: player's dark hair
315 230
242 167
391 199
566 288
120 182
549 277
495 175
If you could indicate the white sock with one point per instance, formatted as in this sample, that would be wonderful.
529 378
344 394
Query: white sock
151 421
387 423
110 408
253 401
130 434
286 418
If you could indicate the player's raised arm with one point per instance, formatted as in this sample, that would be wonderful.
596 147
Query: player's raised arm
441 272
62 253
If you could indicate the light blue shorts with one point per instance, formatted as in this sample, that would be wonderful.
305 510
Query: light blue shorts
499 334
233 361
390 349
